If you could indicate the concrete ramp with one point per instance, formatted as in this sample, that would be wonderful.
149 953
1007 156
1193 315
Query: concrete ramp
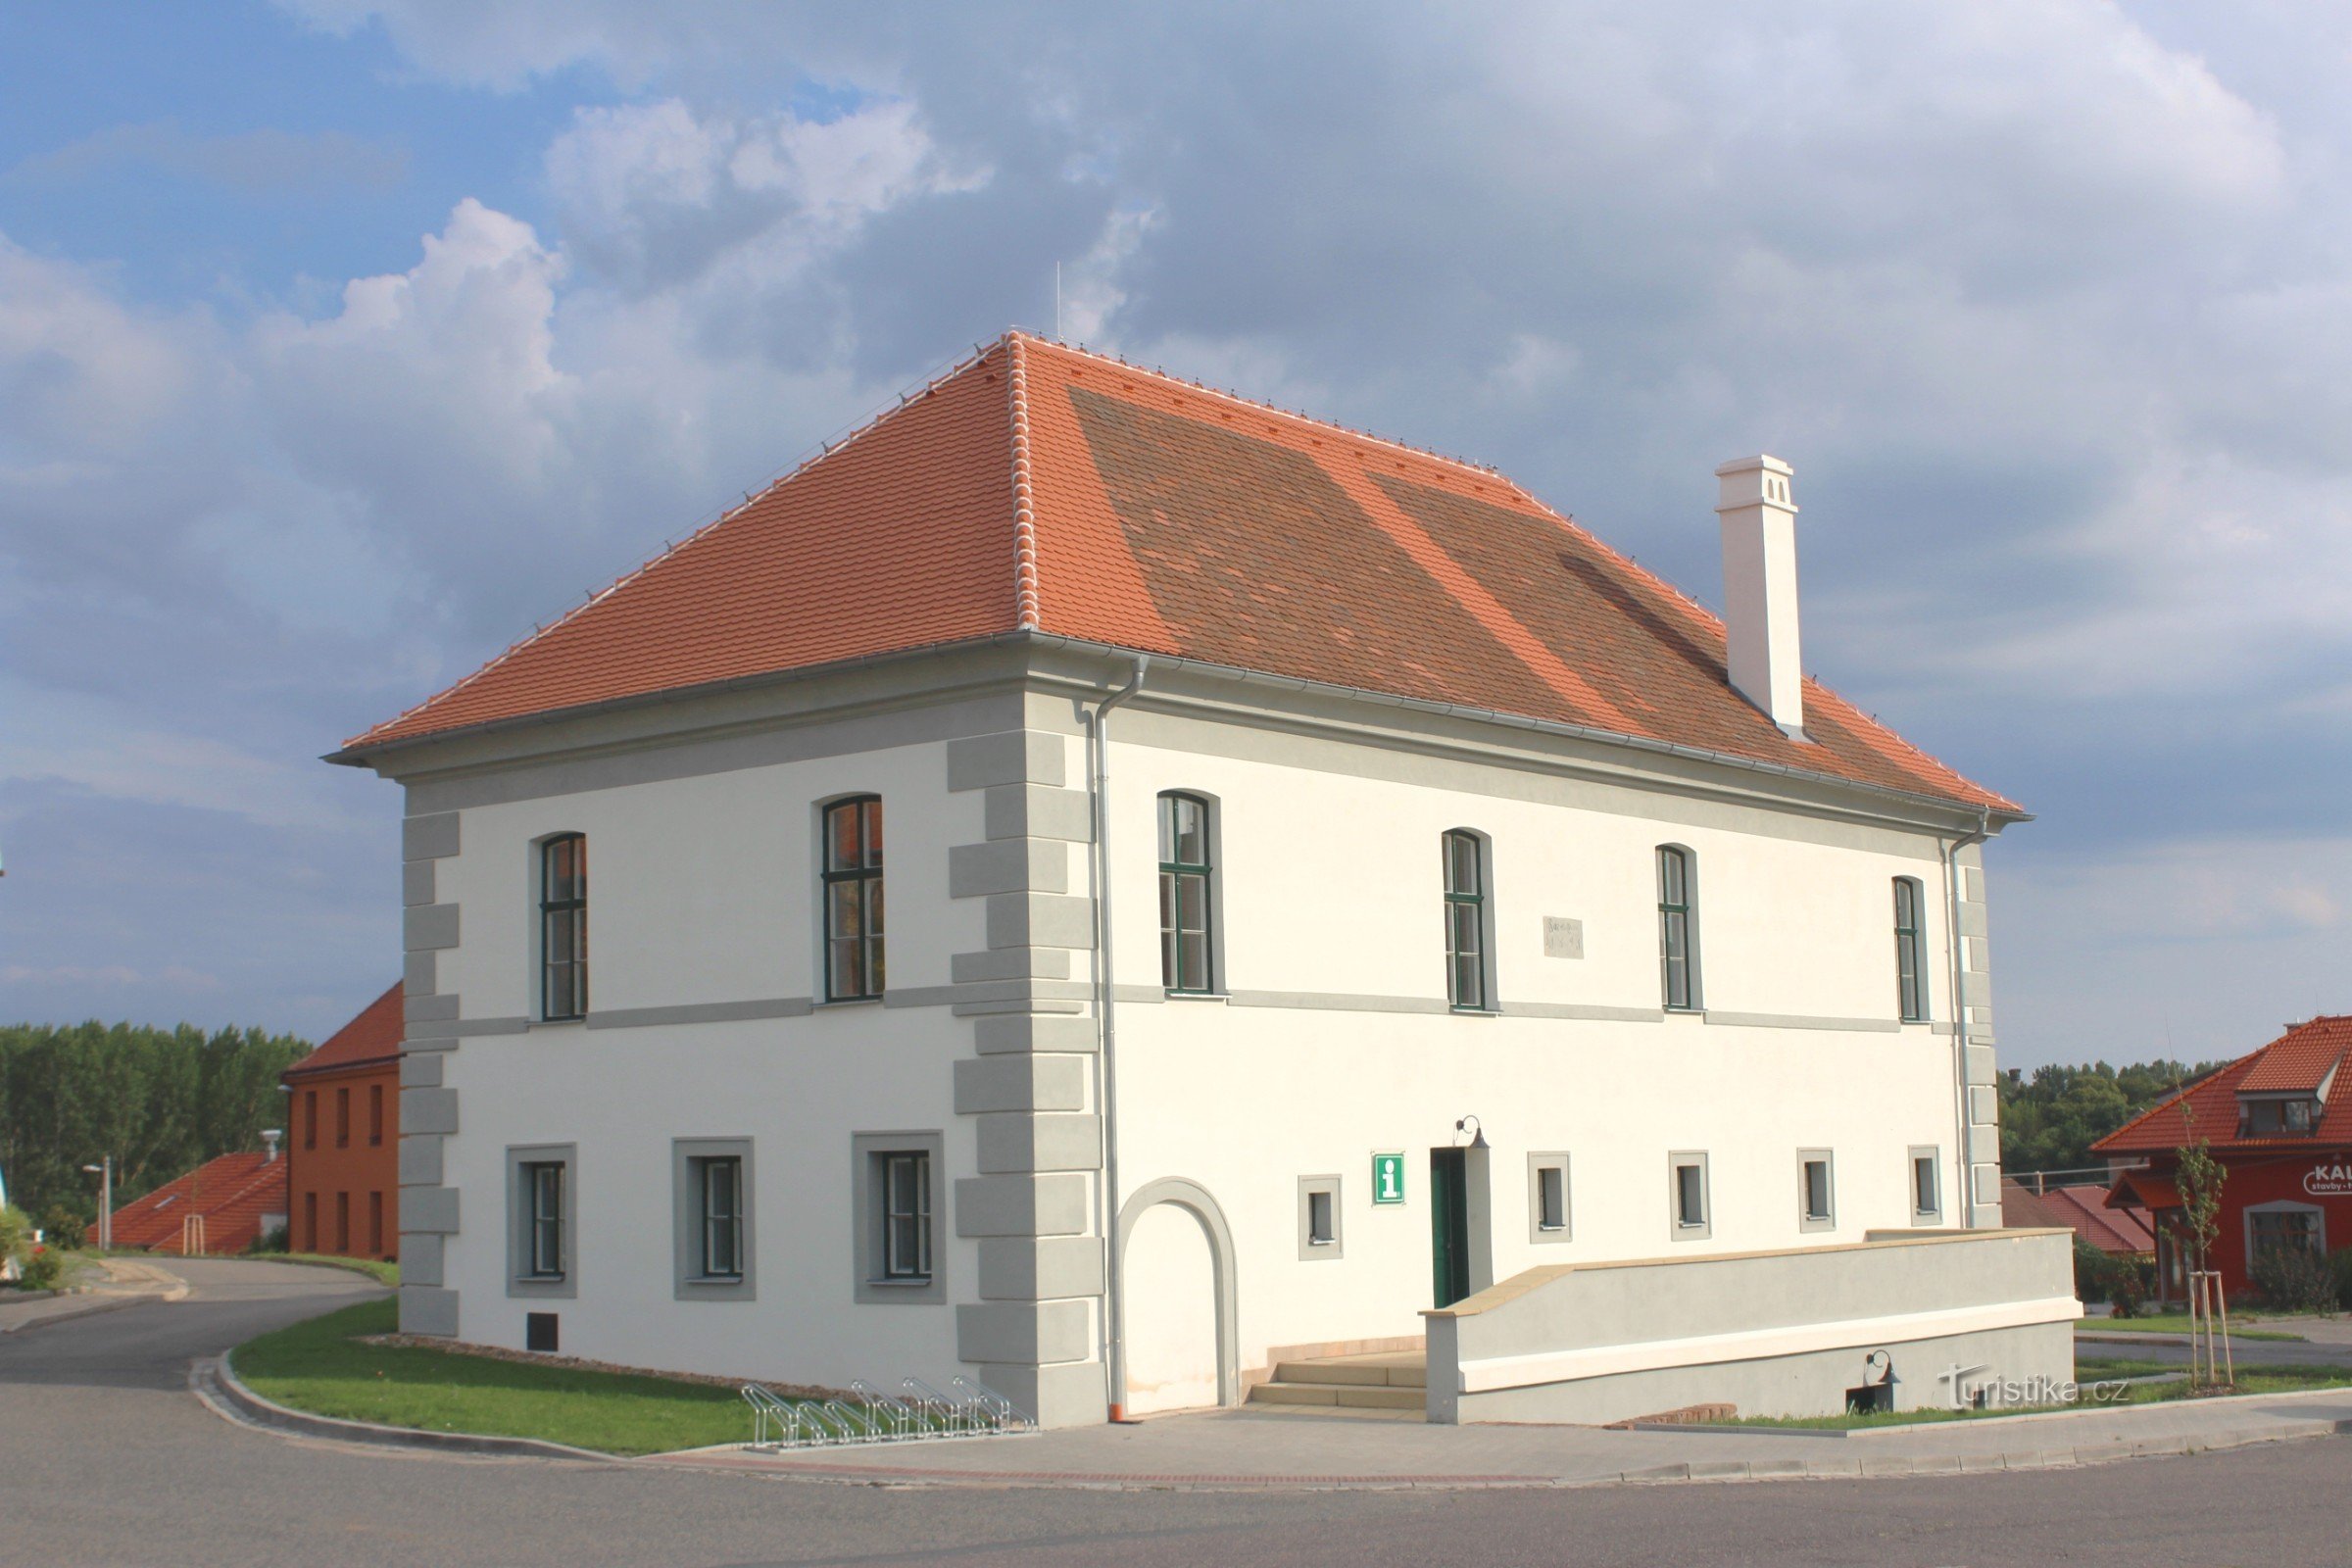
1987 1313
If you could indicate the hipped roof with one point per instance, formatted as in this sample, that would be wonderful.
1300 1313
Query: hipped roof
1036 487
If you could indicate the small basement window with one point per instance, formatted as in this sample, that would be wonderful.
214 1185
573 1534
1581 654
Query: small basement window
1927 1203
1547 1198
1318 1218
1689 1192
1817 1204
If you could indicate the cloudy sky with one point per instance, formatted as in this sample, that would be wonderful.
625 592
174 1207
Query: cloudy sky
342 342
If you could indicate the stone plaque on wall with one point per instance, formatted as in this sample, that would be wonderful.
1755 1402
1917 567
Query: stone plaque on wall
1563 938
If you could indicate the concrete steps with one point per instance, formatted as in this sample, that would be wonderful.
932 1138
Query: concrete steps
1389 1381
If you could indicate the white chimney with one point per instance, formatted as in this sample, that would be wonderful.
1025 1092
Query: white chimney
270 1138
1759 587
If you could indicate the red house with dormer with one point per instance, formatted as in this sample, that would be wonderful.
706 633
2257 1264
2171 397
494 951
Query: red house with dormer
2279 1121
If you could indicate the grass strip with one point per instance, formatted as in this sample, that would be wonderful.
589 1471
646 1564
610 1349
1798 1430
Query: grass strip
322 1367
374 1268
2171 1323
2251 1379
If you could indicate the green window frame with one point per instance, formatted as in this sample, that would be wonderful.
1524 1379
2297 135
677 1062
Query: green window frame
907 1215
1677 947
851 890
543 1190
1465 871
1187 896
1910 949
718 1196
564 927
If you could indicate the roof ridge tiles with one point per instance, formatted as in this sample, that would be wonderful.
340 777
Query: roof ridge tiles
1027 605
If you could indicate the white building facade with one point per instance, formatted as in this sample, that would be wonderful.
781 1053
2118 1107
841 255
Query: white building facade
1110 1026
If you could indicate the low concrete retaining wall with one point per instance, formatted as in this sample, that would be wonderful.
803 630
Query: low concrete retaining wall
1782 1333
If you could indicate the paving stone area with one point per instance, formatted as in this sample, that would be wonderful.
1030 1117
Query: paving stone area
1258 1448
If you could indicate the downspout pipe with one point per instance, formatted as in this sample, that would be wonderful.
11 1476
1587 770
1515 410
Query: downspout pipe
1959 970
1098 780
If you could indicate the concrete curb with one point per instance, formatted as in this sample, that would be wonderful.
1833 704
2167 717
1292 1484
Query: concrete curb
216 1383
1827 1467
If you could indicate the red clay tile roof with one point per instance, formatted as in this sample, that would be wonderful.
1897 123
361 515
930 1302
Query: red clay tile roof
2085 1210
2299 1060
232 1193
372 1037
1036 487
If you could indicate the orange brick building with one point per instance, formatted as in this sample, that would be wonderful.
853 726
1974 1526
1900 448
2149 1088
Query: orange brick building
343 1139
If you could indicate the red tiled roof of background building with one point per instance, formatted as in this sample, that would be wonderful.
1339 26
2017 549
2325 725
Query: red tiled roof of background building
232 1193
1040 488
374 1036
2085 1210
2299 1060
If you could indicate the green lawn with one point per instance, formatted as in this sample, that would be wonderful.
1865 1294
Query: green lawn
2177 1323
319 1366
2251 1379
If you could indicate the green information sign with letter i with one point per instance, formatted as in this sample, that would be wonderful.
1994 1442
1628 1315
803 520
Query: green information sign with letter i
1388 1178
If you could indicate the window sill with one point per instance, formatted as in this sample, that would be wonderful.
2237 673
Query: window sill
831 1002
1552 1230
557 1023
1476 1013
714 1282
1199 996
1683 1012
922 1284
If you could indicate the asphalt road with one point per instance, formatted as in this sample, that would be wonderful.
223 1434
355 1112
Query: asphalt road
2246 1353
105 1458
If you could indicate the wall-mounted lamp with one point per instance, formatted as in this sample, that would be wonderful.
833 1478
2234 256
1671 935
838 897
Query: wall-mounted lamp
1476 1129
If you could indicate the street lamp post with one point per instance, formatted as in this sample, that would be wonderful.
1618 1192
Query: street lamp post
106 1203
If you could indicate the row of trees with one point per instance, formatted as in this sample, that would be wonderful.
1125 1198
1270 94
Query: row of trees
2051 1120
160 1102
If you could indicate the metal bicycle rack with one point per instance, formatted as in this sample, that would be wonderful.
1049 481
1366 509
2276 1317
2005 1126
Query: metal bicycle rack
916 1412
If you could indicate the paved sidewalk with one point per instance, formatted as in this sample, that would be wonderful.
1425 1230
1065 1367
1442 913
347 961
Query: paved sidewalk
1261 1449
118 1282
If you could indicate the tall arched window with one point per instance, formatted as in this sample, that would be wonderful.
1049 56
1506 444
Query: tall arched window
1466 985
853 895
1910 949
1678 944
1187 907
563 926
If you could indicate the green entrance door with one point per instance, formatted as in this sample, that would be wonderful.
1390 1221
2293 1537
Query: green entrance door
1448 1225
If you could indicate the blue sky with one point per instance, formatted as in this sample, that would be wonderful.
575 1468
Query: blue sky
341 342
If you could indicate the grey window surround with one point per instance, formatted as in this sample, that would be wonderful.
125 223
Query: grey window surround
1807 1217
559 908
1469 928
1538 1232
1911 949
2285 1206
1680 973
1932 1154
687 1165
520 1282
1311 1251
1676 1226
1205 875
867 1154
851 925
